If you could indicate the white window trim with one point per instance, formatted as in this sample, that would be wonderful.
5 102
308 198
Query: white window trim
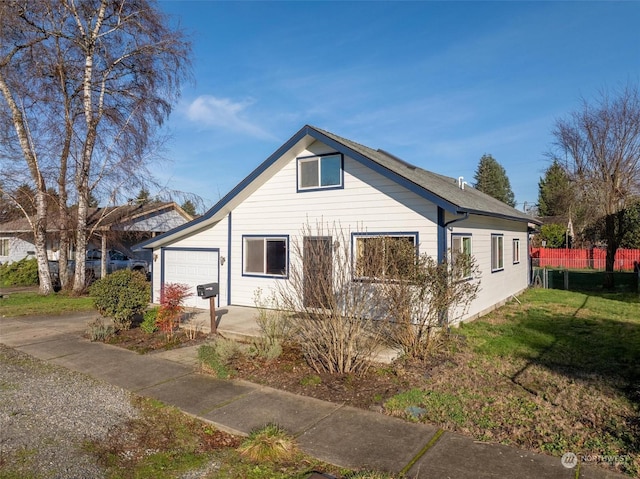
318 159
516 250
265 239
462 237
498 252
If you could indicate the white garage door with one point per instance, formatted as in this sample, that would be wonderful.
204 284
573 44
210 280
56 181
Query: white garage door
192 267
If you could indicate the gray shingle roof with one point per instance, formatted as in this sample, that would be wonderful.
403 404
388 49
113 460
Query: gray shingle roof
466 200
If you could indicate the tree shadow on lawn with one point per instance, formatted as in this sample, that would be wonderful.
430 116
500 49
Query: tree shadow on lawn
583 347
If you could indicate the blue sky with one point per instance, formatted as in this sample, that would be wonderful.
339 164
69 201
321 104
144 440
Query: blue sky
437 84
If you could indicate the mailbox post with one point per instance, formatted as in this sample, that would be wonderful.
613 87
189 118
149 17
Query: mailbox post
210 291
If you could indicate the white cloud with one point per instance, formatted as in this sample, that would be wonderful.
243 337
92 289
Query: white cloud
211 112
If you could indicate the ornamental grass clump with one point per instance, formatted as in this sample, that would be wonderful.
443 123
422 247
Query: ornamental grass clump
270 443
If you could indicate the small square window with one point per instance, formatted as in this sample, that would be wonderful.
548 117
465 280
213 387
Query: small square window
320 172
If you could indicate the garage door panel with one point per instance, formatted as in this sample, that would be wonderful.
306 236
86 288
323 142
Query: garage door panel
191 267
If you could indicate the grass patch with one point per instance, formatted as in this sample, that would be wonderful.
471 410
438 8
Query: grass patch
28 304
588 334
270 444
165 443
557 372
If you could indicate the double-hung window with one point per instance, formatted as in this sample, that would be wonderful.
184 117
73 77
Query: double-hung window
384 257
265 255
516 250
461 245
320 172
497 253
4 246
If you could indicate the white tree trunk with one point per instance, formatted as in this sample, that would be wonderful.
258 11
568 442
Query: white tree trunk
39 225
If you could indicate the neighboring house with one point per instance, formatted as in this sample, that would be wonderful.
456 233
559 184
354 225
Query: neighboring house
244 241
121 227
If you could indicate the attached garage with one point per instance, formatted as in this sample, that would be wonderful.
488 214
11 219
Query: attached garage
191 266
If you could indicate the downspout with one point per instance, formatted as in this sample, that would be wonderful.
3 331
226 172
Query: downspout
442 237
442 250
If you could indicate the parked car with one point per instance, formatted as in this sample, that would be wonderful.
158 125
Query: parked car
93 268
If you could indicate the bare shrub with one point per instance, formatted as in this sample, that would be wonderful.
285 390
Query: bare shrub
424 297
333 312
275 327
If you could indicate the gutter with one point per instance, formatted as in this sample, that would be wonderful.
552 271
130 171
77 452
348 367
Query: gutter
455 220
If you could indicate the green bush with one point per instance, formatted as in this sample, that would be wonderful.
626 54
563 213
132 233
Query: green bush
121 295
19 273
148 324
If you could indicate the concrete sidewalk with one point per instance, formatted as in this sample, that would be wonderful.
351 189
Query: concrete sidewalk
337 434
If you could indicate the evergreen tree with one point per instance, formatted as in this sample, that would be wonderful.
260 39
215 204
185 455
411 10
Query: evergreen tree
189 208
143 197
491 178
555 192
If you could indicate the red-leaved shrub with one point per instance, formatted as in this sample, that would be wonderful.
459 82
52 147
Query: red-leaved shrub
172 297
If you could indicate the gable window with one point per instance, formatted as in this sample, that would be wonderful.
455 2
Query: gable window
380 257
4 246
265 255
319 172
516 250
497 252
461 245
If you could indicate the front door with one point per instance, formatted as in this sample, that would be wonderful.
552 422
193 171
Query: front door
317 271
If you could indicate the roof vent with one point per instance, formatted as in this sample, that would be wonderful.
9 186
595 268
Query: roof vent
461 182
394 157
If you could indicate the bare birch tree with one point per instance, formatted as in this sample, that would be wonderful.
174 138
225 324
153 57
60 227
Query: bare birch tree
601 145
14 47
102 77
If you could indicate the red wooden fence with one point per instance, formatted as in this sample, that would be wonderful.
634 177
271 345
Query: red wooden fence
593 258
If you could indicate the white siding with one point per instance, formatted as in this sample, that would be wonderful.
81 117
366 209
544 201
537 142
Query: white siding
369 202
495 287
19 248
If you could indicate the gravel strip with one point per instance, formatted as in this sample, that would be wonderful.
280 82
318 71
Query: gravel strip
46 412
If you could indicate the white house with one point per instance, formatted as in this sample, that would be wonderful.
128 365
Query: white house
244 242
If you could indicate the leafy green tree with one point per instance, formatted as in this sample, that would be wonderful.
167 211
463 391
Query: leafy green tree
555 191
491 178
596 231
554 235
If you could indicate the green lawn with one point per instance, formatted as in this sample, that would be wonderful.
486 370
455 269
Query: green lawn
26 304
557 372
585 333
